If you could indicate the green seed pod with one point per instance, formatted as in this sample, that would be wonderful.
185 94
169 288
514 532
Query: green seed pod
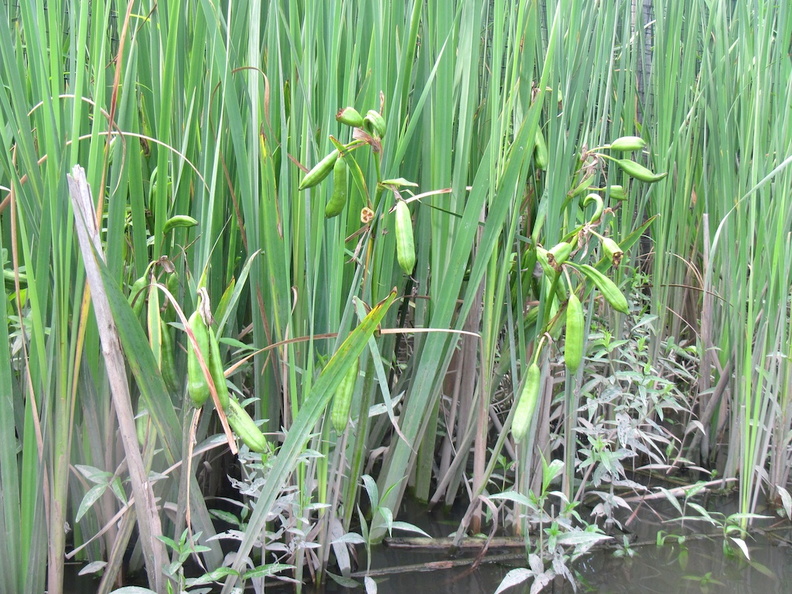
639 172
600 207
628 143
217 371
526 405
167 364
617 192
136 296
559 254
350 116
320 171
612 250
374 123
540 150
342 401
172 284
575 326
338 199
606 286
542 255
245 428
405 245
178 221
197 386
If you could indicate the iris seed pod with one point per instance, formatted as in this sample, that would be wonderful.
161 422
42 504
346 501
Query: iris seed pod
575 327
136 296
350 116
405 244
617 192
600 207
320 171
167 365
374 123
178 221
217 372
612 250
606 286
244 427
526 405
338 198
197 387
172 283
559 254
628 143
543 256
540 150
639 172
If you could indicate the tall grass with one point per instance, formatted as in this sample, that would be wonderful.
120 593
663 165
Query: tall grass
723 250
215 109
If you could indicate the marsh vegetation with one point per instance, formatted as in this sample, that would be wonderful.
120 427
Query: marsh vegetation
270 266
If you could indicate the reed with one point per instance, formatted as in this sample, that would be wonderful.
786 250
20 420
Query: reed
217 110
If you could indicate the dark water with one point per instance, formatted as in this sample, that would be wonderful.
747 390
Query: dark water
651 569
699 565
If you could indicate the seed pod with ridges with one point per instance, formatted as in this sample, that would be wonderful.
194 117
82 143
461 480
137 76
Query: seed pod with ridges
628 143
559 253
167 365
405 245
342 401
374 123
172 284
617 192
606 286
320 171
540 150
338 199
244 427
136 296
639 172
542 255
197 386
526 405
217 371
575 326
350 116
612 250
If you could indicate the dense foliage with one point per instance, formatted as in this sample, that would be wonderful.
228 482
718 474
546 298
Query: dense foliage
583 207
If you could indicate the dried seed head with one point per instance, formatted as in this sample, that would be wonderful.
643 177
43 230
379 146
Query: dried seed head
366 215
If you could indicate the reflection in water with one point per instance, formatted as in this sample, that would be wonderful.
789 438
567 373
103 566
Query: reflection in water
696 565
651 569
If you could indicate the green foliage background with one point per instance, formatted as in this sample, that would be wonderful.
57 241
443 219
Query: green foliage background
208 108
